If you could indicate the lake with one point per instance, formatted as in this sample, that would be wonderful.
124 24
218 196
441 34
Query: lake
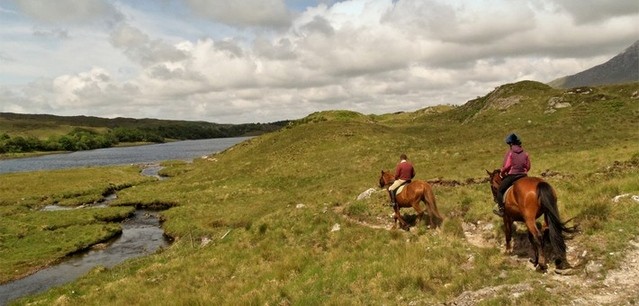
153 153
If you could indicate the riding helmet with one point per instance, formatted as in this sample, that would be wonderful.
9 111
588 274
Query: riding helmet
513 139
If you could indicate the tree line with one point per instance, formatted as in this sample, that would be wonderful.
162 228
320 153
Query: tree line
88 139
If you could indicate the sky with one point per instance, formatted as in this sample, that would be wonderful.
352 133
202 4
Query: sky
259 61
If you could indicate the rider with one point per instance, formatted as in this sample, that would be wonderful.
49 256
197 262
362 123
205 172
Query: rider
516 165
404 172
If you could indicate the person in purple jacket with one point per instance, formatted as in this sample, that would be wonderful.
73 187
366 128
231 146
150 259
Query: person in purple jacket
516 165
404 172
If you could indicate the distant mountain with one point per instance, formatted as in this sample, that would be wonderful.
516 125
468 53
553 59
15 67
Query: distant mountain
622 68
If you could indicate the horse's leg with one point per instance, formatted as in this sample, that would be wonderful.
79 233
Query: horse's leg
398 216
508 230
535 259
536 241
420 213
395 216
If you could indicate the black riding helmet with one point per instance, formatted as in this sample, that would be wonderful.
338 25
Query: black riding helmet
513 139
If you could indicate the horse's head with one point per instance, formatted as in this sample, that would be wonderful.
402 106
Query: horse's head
495 181
385 179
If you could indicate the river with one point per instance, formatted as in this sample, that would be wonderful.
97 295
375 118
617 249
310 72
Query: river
141 234
178 150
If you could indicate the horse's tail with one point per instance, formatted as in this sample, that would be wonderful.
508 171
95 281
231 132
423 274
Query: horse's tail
429 198
556 227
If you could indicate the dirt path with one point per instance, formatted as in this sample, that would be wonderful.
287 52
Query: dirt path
617 287
587 285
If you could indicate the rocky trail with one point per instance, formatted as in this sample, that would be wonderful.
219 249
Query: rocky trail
587 283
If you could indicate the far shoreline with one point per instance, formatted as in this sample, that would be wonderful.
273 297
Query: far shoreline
5 156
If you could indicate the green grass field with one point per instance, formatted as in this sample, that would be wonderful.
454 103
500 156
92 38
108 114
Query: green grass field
270 207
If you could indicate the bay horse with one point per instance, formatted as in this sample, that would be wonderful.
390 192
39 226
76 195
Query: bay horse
413 193
525 201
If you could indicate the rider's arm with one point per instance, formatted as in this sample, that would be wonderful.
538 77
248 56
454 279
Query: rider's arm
507 164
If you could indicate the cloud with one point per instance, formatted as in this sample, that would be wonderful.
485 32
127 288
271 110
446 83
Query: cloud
244 13
594 11
53 33
140 48
371 56
69 11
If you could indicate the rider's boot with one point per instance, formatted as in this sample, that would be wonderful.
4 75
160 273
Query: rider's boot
393 202
499 210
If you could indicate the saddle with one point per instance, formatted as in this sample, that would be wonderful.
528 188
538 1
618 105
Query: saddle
516 178
401 187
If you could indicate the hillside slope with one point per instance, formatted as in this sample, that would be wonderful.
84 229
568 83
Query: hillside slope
276 221
44 125
623 68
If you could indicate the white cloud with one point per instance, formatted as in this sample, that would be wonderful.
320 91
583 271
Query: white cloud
69 11
372 56
140 48
252 13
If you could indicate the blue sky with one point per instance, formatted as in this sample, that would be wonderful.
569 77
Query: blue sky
267 60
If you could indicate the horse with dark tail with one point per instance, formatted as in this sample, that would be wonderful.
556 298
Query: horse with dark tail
528 199
557 229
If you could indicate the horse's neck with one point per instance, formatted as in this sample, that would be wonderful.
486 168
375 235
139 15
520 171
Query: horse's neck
390 179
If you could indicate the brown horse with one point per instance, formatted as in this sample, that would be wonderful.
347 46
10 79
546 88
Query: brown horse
413 193
525 201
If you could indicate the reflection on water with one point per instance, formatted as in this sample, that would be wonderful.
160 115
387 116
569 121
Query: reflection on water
153 170
141 235
179 150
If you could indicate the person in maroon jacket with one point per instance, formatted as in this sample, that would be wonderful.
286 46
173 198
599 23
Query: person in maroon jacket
516 165
404 172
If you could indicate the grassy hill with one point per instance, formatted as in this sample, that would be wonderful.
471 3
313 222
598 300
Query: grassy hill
43 125
275 220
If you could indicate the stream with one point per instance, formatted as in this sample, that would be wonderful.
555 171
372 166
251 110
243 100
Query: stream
141 235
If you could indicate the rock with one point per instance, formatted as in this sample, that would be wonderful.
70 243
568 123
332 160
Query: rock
593 269
366 194
619 197
336 227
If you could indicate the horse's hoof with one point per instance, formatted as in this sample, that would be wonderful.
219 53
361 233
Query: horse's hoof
568 271
541 268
